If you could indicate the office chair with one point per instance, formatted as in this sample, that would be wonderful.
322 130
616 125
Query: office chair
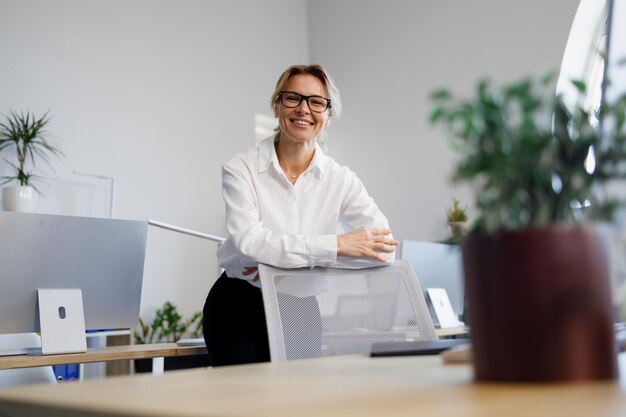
12 377
327 312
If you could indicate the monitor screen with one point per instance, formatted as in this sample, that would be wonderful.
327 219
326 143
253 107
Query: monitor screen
437 265
102 257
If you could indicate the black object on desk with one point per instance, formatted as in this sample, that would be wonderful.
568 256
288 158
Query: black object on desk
417 347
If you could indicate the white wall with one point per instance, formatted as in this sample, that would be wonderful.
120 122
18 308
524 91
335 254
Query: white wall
387 56
159 94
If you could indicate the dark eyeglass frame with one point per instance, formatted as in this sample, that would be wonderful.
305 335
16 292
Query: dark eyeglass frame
303 97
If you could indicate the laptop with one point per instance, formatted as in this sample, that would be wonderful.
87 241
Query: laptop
416 347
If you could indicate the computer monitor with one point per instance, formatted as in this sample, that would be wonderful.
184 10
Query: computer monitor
437 265
104 258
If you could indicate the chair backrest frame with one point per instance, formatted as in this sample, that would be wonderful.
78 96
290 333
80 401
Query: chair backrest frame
276 336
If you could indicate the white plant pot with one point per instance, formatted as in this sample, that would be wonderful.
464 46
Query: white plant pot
20 198
457 229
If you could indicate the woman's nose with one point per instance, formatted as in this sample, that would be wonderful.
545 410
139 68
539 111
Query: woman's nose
303 106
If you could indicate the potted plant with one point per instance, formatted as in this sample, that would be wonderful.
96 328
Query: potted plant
168 326
536 273
457 220
27 136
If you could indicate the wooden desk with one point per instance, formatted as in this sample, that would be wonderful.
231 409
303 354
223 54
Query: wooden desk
103 354
341 386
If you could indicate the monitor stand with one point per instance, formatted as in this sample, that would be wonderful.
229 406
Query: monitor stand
62 321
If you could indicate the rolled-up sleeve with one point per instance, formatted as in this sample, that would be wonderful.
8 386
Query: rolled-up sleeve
359 211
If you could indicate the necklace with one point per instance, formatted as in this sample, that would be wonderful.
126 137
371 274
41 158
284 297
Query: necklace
291 176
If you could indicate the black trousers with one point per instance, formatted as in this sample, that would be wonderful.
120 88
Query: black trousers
233 323
235 329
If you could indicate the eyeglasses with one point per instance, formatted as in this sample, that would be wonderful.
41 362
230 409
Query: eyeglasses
317 104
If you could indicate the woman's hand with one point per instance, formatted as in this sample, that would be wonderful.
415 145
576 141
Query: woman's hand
369 243
248 270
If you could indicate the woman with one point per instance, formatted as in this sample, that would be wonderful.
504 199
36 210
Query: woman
284 200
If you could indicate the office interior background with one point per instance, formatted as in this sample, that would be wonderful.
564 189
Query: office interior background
159 93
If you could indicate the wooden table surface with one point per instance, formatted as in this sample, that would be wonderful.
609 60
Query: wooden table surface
102 354
340 386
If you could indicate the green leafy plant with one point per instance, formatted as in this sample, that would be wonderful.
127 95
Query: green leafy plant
532 161
168 326
27 135
456 213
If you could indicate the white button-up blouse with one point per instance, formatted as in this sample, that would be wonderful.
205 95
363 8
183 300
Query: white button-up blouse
271 221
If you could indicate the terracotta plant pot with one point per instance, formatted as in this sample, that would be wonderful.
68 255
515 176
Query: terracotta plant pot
540 305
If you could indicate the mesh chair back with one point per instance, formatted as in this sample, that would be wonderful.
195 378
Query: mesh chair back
317 312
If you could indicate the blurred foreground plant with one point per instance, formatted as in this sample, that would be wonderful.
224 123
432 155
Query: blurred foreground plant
531 160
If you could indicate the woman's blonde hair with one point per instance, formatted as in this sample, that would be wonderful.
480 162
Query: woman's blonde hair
316 71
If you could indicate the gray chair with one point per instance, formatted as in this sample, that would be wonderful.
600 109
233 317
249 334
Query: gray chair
327 312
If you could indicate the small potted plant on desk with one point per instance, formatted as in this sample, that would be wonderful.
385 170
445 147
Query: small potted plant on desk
168 326
457 220
26 135
536 273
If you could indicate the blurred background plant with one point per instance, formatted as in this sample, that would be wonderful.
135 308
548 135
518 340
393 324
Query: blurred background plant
168 326
27 136
457 221
456 213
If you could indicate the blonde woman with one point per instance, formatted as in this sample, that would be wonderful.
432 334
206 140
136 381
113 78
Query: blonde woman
284 200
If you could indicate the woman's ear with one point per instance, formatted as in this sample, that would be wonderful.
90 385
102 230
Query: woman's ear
275 109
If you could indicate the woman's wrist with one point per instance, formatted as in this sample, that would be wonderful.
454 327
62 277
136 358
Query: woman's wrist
340 248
